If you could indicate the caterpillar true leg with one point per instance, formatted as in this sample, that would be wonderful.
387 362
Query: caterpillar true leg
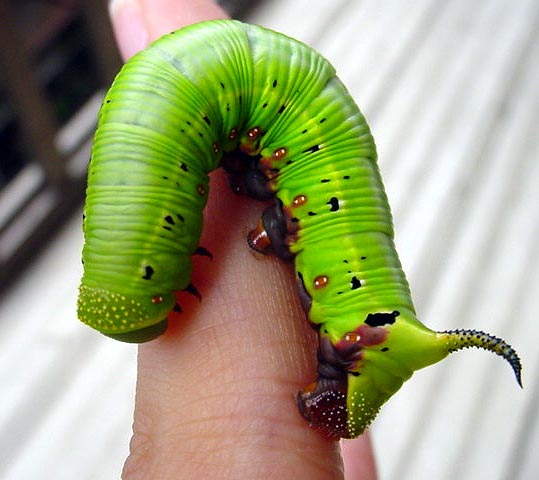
269 236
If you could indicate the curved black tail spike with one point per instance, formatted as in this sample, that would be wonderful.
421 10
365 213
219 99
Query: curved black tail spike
459 339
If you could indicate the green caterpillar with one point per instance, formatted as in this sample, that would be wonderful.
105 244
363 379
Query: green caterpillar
272 112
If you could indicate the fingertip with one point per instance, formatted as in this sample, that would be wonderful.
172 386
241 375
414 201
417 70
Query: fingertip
129 26
358 459
138 22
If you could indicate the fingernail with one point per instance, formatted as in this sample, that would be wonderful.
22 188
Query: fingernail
130 28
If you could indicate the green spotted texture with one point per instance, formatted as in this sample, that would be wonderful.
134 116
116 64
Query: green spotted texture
164 125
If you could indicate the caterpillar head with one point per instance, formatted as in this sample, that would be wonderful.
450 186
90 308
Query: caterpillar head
128 318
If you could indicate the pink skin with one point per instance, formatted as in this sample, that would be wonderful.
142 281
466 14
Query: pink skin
215 393
138 22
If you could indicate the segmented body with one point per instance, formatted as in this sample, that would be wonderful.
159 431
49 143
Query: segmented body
180 109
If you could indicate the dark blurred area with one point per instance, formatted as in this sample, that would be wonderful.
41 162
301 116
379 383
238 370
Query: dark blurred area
57 58
51 43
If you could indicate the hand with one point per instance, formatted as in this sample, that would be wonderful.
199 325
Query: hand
215 394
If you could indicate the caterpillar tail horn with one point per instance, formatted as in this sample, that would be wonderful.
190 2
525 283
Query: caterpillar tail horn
459 339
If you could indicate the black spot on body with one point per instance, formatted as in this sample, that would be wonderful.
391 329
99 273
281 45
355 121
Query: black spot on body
311 214
149 271
281 110
379 319
312 149
346 177
385 349
169 219
355 283
325 180
334 204
177 308
274 83
167 228
180 217
206 119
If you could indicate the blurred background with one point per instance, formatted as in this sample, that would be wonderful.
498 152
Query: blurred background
450 89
